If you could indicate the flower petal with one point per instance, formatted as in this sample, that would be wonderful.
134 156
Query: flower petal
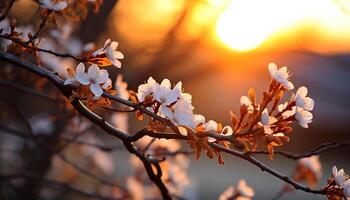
80 68
83 78
96 89
103 76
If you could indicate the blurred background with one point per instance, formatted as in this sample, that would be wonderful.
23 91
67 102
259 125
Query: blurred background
221 48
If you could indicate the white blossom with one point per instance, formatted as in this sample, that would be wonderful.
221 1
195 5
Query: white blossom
302 101
183 114
267 121
146 89
304 117
281 75
96 79
339 176
166 96
111 52
313 164
53 5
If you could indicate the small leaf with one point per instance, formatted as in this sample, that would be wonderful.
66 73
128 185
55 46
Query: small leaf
251 94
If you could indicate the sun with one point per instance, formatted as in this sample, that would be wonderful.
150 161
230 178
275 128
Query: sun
244 25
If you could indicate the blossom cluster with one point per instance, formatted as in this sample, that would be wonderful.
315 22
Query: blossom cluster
268 122
339 184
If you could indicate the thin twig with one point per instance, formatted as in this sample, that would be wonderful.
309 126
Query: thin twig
41 27
269 170
7 11
325 147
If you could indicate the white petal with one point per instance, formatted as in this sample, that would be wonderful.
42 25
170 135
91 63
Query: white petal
96 89
309 103
289 85
165 110
197 119
80 68
227 130
107 84
119 55
83 78
93 71
211 125
116 63
166 83
302 91
103 76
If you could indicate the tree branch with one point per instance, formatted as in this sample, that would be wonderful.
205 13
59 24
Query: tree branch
325 147
269 170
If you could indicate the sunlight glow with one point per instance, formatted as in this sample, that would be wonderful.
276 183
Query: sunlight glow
246 24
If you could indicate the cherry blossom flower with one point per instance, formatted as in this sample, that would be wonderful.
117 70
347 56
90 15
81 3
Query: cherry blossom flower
339 176
146 89
304 117
267 121
302 101
96 79
166 96
281 75
313 164
248 103
111 52
183 115
53 5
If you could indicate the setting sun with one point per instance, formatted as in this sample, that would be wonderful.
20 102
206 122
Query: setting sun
246 24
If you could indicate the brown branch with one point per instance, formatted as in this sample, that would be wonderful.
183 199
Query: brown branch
97 120
7 11
263 167
41 27
127 139
325 147
23 44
